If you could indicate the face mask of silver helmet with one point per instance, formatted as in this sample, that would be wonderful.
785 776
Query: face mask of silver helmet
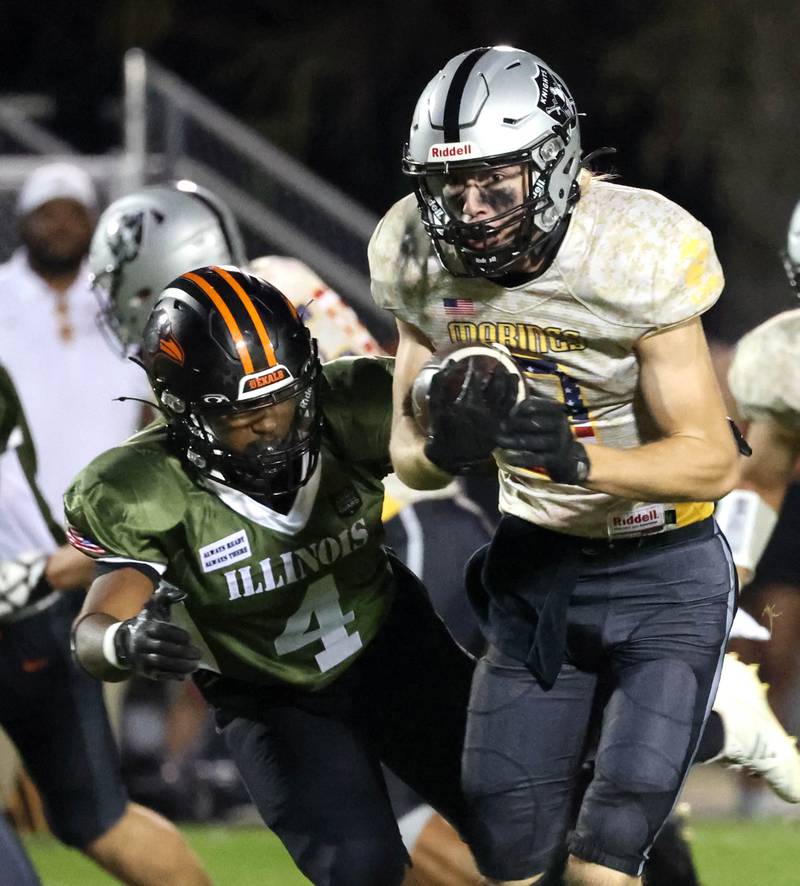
791 255
221 342
144 240
490 109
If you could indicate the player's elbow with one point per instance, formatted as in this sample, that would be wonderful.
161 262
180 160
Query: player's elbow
723 475
415 470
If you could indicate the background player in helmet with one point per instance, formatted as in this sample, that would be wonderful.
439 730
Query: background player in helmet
597 289
763 381
149 237
261 500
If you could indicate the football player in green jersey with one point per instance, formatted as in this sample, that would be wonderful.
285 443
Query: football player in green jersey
259 497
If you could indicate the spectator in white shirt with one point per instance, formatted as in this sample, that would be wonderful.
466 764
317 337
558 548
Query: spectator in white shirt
49 339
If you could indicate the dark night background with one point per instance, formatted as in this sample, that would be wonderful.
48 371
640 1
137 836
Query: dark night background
699 97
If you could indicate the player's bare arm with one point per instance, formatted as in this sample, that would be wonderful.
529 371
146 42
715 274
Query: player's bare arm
694 456
407 443
68 569
112 598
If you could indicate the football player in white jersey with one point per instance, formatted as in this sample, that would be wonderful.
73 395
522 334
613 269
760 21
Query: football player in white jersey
607 578
765 385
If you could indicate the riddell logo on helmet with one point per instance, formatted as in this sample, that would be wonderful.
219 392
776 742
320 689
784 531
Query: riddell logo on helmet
264 382
451 152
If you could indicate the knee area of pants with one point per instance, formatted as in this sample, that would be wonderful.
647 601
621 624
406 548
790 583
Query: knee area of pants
649 755
622 831
507 828
358 863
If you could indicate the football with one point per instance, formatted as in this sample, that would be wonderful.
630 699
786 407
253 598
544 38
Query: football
483 358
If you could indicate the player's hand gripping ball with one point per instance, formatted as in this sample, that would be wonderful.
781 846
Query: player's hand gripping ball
459 399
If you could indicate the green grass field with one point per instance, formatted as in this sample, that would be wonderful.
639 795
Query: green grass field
762 853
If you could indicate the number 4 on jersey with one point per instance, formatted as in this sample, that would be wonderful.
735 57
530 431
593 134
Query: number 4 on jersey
322 601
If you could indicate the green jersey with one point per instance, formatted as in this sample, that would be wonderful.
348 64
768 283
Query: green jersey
25 520
289 597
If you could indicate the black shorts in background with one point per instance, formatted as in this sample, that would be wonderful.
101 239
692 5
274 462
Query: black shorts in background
55 715
780 563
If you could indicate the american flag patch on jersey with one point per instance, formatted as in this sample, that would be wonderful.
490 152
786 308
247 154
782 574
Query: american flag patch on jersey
84 544
458 307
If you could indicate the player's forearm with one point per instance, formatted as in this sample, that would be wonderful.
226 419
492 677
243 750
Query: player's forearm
90 647
679 468
408 458
69 570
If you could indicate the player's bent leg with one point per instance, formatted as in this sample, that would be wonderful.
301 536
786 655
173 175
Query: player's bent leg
144 849
754 739
586 873
528 881
72 758
320 790
440 857
651 727
522 798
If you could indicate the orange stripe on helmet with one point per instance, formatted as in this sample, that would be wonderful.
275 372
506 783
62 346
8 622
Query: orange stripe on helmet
266 342
227 316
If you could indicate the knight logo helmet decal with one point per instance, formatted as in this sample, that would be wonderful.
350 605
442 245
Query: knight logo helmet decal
554 99
124 236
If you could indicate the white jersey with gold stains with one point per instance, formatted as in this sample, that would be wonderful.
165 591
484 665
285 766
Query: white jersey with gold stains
764 376
631 263
333 323
339 333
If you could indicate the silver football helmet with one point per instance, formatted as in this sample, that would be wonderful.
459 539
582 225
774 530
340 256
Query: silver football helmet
488 113
791 255
144 240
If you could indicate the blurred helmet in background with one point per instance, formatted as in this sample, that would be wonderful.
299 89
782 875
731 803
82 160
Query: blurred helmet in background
791 255
144 240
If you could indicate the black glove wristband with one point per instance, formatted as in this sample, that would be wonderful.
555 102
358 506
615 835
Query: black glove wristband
122 643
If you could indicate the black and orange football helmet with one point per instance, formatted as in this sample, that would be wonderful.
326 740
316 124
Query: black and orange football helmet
221 341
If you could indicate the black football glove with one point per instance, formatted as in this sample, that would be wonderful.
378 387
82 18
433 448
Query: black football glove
151 646
537 434
462 431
